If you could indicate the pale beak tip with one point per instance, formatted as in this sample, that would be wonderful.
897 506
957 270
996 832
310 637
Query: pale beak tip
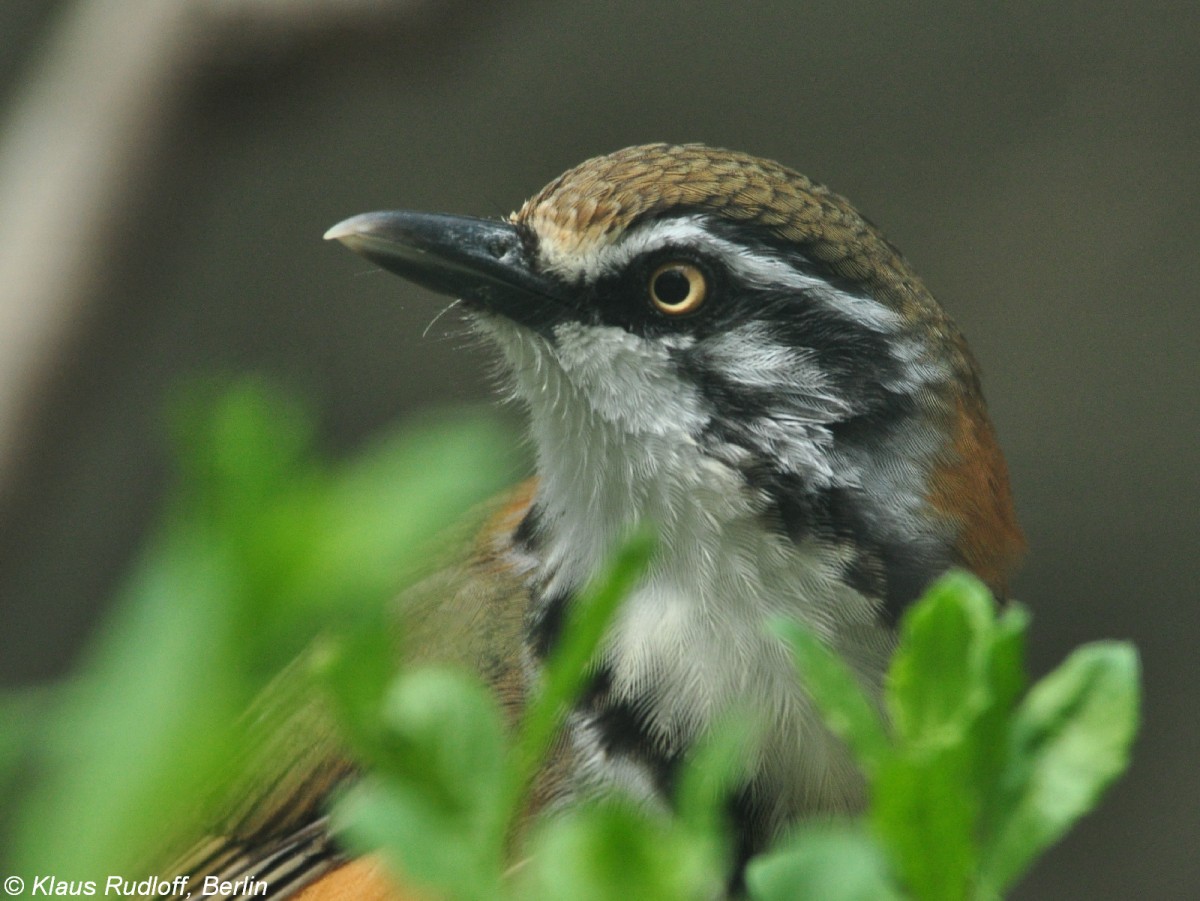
342 230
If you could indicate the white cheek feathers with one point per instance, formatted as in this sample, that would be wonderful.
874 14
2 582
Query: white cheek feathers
628 380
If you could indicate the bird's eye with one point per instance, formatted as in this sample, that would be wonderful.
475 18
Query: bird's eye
678 288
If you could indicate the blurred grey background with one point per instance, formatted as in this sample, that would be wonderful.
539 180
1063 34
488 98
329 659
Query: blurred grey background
167 168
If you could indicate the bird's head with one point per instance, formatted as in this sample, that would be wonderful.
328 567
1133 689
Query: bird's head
667 297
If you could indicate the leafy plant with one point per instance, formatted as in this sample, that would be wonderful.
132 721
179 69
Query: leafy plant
445 800
972 774
975 776
263 545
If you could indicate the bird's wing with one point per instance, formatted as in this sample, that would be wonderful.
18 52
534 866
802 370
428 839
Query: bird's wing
273 826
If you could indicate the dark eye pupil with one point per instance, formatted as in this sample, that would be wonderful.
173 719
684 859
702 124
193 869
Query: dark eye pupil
672 286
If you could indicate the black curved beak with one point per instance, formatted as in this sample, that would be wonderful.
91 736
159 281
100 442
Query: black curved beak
480 260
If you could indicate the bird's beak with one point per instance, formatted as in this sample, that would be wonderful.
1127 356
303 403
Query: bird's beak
480 260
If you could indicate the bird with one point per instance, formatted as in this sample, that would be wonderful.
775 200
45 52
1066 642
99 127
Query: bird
713 343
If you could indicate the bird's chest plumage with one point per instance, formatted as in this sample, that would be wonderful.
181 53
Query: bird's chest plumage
692 644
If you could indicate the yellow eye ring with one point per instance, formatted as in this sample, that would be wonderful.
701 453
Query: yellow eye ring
678 288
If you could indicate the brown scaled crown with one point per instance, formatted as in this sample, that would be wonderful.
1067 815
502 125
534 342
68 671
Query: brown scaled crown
598 200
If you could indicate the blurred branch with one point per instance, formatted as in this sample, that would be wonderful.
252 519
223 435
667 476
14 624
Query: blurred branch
82 132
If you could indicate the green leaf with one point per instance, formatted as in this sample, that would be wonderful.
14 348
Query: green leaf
388 506
829 863
1005 677
313 543
709 778
417 837
435 804
356 668
566 672
614 852
924 809
847 710
237 444
23 711
145 719
446 735
935 685
1071 738
332 549
1006 665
